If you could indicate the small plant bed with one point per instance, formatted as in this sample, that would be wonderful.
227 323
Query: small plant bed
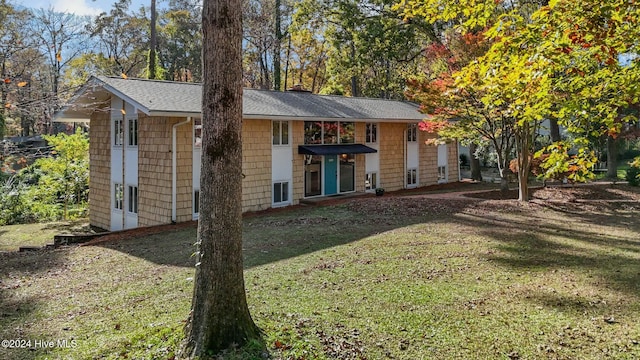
403 277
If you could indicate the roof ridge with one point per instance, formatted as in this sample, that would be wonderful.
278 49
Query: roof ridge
260 90
150 80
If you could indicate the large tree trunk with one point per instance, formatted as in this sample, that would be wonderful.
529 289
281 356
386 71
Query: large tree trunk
474 163
612 158
220 317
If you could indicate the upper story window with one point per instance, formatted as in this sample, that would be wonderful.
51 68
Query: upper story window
280 132
118 132
412 133
197 132
133 132
313 132
372 133
329 132
347 132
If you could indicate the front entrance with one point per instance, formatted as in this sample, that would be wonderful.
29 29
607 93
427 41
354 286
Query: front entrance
330 174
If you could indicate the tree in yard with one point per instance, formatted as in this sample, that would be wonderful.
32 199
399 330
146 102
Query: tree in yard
220 317
153 43
122 41
559 59
12 44
434 89
180 41
370 50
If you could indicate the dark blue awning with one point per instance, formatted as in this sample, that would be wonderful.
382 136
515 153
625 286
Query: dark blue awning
336 149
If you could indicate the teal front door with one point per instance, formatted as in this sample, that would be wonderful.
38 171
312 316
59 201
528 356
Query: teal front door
330 174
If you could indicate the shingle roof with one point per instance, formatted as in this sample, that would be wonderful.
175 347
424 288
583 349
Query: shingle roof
166 97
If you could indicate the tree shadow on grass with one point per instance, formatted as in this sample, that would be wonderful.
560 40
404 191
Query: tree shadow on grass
286 234
530 247
21 271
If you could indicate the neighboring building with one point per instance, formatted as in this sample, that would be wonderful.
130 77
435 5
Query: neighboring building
145 149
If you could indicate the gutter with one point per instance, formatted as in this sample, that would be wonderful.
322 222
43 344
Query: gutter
174 167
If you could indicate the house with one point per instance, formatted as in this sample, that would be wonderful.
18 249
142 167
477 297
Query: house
145 148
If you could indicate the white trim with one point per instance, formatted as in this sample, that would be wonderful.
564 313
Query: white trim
174 167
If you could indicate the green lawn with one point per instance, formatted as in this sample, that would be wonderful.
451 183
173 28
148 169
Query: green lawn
390 277
12 237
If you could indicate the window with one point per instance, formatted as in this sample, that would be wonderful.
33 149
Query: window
133 132
280 192
412 133
133 199
372 133
347 132
442 173
313 132
117 132
118 193
197 132
330 135
196 202
280 132
371 181
329 132
412 177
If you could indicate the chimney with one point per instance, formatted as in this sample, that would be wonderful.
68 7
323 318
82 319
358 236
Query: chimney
298 88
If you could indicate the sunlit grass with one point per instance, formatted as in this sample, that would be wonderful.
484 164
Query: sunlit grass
486 281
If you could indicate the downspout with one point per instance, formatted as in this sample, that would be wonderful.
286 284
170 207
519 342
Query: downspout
174 168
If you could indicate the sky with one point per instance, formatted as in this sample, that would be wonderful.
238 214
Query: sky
79 7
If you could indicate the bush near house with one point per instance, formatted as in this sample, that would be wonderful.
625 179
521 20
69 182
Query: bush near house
52 188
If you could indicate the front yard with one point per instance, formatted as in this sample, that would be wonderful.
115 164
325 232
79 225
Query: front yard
404 277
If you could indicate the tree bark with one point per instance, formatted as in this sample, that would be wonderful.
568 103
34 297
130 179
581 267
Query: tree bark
474 163
277 47
524 164
153 42
220 317
554 130
612 158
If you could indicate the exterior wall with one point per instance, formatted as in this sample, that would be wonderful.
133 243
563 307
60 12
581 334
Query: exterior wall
453 160
154 169
100 170
428 159
360 158
297 138
184 171
256 165
392 157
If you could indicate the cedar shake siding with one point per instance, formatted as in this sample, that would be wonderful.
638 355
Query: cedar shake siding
392 155
256 165
428 160
100 170
453 162
154 170
184 171
360 158
297 132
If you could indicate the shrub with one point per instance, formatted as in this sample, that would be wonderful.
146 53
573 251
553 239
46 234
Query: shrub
633 175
